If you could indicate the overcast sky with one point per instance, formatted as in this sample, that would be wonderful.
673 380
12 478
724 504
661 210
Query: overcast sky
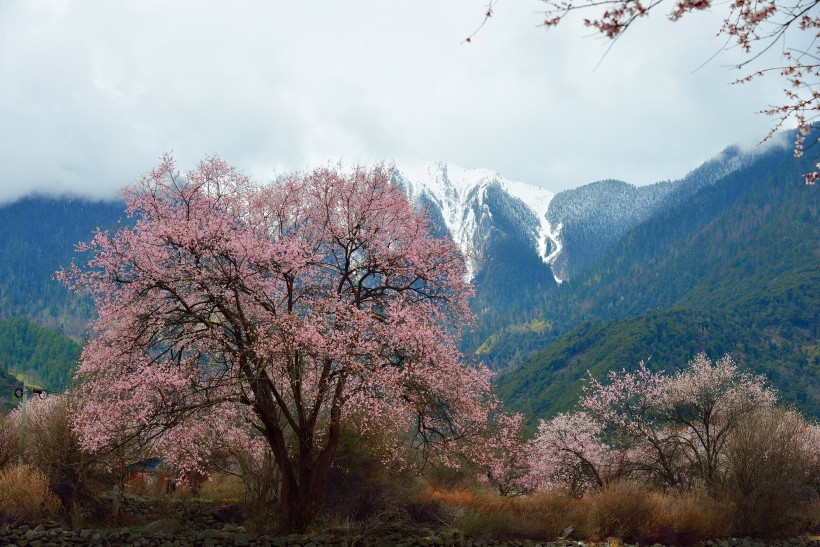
93 92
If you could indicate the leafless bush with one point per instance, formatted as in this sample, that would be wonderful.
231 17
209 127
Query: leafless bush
365 484
9 441
223 487
541 516
622 509
52 447
773 471
685 517
25 496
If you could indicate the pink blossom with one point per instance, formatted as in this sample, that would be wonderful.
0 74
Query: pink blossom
668 429
567 452
278 308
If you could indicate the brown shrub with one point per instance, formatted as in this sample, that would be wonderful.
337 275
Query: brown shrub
772 472
223 487
362 483
25 496
683 518
53 447
541 516
453 498
624 510
621 510
629 511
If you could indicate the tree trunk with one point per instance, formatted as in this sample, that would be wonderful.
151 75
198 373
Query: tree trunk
304 481
301 507
304 499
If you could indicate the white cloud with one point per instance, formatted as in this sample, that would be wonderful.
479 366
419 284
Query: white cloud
93 92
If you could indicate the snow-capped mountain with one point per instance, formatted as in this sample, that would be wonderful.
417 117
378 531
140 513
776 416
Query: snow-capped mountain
466 202
567 231
593 217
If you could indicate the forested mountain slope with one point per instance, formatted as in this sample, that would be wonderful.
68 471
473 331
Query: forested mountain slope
550 381
737 266
739 237
511 281
46 357
38 237
589 219
8 383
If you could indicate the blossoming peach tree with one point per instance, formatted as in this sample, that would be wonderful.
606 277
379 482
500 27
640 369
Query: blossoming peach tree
277 309
670 430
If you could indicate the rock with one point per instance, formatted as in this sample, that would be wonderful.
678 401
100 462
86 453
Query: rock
166 527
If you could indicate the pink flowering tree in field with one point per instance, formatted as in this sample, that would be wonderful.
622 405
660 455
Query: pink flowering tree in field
568 452
282 308
709 424
679 424
630 412
704 404
502 456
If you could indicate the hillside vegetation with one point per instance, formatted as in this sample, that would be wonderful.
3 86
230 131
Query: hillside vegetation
44 356
39 235
735 268
550 380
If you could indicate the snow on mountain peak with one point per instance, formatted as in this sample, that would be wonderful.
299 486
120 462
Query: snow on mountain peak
460 194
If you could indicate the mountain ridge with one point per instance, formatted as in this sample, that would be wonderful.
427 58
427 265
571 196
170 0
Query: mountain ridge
528 252
741 254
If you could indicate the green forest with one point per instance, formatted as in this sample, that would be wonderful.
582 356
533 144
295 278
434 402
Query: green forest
44 357
735 269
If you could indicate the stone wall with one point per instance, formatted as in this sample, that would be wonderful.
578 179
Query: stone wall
169 533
